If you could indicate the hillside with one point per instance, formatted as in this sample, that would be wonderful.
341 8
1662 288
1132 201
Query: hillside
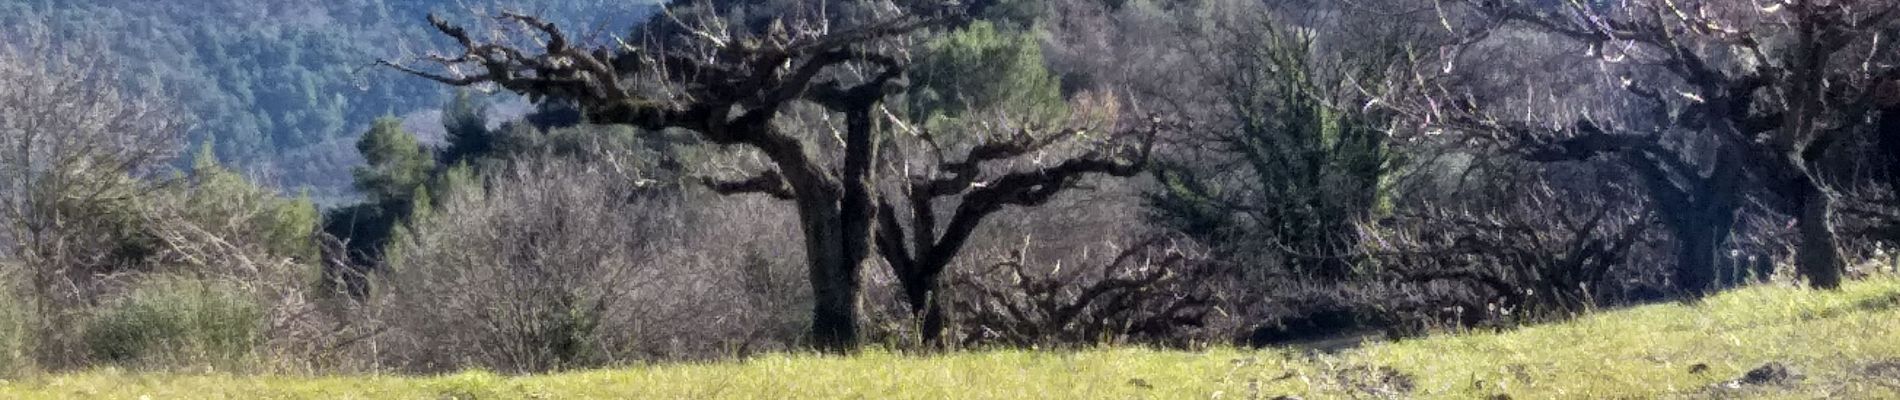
1833 345
283 87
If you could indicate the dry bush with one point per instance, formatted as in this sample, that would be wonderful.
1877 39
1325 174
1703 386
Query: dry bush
77 145
1081 270
1870 223
114 250
559 263
1157 291
738 282
1564 239
525 274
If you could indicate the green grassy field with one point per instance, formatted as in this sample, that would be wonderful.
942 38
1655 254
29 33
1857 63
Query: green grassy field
1843 344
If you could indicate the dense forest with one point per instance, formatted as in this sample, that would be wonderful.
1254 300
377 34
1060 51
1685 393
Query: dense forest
424 186
280 88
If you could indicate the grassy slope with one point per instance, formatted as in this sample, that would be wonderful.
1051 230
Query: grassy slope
1645 352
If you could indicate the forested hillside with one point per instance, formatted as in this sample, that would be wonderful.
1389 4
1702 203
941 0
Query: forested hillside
282 87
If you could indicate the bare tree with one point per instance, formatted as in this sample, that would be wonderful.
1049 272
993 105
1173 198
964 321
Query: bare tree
1718 99
75 146
730 84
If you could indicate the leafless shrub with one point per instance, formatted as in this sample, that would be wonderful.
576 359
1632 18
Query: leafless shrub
733 285
1158 291
1560 242
1870 217
525 274
561 263
90 214
76 145
233 243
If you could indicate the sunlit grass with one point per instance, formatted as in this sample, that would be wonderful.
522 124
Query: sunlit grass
1644 352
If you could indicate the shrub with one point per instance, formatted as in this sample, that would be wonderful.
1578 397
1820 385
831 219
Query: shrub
168 321
521 275
15 336
560 260
1154 292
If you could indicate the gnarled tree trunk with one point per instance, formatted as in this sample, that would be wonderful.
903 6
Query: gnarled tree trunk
1699 241
924 293
1699 210
833 275
1819 258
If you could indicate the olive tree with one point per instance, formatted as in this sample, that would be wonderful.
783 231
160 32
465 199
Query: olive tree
1709 103
732 84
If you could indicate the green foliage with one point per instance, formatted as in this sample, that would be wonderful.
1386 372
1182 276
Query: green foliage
465 120
177 321
565 331
396 165
1310 164
456 177
111 220
982 67
395 178
221 197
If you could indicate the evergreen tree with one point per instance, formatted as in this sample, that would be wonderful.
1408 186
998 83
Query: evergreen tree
394 179
465 119
984 67
396 164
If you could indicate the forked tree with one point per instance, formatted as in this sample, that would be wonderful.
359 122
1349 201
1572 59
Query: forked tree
730 85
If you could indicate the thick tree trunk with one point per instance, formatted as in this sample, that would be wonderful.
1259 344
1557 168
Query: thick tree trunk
1697 248
1701 216
833 253
1819 259
1889 146
838 233
923 292
834 277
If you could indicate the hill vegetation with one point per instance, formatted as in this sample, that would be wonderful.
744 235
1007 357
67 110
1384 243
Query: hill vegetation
280 88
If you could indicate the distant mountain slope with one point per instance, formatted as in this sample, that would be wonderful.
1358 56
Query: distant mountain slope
283 86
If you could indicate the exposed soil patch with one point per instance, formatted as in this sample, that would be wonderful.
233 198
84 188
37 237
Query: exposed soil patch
1773 373
1885 372
1380 381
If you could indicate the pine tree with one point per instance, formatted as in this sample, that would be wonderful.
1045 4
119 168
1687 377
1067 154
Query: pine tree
396 164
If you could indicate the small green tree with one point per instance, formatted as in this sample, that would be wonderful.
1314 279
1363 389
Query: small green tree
983 67
218 195
1298 162
465 119
395 164
394 179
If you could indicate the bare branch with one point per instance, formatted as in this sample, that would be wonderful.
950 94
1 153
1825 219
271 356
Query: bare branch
768 183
